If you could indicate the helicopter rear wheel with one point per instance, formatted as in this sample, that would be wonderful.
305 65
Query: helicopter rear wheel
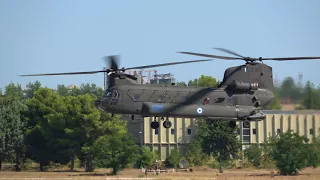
167 124
155 125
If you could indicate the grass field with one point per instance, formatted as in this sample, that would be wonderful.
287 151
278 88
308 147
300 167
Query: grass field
243 174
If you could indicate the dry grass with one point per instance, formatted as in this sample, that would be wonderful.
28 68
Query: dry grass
200 173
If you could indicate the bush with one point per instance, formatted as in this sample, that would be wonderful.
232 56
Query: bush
292 153
253 155
173 159
147 157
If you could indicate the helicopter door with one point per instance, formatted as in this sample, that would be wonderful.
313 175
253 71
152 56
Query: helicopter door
115 97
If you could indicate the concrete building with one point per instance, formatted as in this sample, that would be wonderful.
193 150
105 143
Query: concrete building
163 140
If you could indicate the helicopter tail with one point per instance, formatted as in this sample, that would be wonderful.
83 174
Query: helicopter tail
250 76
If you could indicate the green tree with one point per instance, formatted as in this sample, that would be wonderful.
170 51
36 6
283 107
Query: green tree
218 139
14 91
146 157
173 159
311 97
290 90
31 88
45 126
292 153
194 153
105 126
204 81
63 90
115 151
11 130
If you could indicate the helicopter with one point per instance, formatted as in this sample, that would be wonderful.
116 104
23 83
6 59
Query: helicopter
240 96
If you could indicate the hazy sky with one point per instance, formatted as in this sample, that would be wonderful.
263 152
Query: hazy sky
60 36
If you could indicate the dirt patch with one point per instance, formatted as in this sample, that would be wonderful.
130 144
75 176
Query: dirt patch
198 173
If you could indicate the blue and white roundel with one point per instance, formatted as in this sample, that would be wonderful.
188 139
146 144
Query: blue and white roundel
199 110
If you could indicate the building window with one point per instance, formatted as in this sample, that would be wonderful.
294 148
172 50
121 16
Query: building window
189 131
156 131
246 132
311 131
172 131
246 139
278 131
254 131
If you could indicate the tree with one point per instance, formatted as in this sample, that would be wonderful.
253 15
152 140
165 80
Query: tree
290 90
11 130
45 125
194 153
146 157
115 151
174 158
311 98
204 81
14 91
292 153
63 90
105 126
31 88
218 139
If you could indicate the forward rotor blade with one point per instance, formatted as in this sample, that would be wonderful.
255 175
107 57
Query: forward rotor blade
290 58
167 64
68 73
229 52
112 61
209 55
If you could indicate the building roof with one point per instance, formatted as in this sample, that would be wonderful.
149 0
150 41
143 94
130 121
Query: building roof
291 112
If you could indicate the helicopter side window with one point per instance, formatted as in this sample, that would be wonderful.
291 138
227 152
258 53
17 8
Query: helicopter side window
205 101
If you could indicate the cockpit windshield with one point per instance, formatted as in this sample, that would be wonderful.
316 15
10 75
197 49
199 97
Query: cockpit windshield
108 94
111 93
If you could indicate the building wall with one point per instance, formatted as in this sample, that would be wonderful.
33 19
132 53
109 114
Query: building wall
182 130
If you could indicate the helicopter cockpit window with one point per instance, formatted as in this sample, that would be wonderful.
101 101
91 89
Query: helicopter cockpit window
115 97
108 94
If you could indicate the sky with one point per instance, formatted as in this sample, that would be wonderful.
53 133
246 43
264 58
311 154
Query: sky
39 36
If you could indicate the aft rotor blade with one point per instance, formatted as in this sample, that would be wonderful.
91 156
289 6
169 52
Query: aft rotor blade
210 55
68 73
229 52
290 58
167 64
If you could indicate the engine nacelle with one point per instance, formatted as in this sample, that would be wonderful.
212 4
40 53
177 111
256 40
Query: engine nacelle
242 86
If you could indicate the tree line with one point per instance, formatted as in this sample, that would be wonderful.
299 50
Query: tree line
62 126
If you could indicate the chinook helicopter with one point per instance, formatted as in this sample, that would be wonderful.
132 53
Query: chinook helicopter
241 95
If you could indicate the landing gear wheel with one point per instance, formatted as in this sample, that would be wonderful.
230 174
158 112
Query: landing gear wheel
232 124
167 124
155 125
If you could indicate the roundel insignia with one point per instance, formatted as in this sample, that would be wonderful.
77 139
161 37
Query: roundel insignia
199 110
